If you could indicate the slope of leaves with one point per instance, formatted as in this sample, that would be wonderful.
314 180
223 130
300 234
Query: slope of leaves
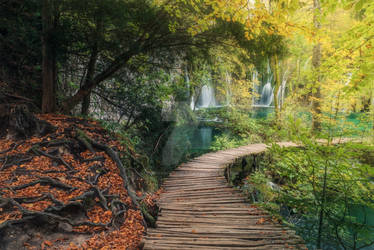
63 192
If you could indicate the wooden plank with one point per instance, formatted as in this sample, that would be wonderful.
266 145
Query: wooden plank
253 220
224 242
161 246
203 195
197 180
222 228
218 188
178 186
214 216
227 190
238 233
206 199
223 209
194 180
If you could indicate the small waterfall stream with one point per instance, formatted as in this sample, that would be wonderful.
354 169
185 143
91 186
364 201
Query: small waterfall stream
207 97
263 96
267 95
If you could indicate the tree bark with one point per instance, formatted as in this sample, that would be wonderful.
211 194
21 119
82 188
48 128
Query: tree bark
316 61
86 105
49 59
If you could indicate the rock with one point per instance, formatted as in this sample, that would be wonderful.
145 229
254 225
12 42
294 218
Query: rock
16 121
65 227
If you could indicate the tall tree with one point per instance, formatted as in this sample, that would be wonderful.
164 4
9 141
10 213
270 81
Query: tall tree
49 68
94 50
316 61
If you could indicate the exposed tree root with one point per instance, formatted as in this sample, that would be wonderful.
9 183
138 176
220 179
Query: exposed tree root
56 158
45 181
66 181
118 162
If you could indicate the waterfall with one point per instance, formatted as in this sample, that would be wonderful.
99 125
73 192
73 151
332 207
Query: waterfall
187 78
228 88
207 97
188 86
306 63
192 104
282 90
255 87
267 95
267 92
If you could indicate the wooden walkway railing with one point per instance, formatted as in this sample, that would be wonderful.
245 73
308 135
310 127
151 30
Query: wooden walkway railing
198 209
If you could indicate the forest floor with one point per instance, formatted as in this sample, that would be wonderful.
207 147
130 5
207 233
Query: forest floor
65 191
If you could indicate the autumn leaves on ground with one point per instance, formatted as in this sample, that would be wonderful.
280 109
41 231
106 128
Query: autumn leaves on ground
60 191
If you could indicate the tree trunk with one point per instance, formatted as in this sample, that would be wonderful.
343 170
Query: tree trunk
49 59
322 209
372 104
86 105
92 63
88 86
316 60
276 89
89 77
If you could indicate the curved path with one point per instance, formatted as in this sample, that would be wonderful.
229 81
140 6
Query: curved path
198 209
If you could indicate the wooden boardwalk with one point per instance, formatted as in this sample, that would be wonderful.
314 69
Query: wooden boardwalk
198 209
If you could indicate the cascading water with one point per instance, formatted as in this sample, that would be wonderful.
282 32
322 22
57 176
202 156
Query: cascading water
192 103
228 88
282 90
267 95
207 97
255 87
263 95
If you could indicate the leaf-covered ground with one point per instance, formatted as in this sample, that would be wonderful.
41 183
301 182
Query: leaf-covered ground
61 191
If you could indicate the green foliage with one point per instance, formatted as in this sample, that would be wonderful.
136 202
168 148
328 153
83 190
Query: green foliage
241 129
258 184
240 123
316 179
226 141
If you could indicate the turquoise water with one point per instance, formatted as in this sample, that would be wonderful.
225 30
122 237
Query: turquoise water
262 112
186 142
364 215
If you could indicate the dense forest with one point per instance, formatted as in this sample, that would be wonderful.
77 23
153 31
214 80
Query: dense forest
120 92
